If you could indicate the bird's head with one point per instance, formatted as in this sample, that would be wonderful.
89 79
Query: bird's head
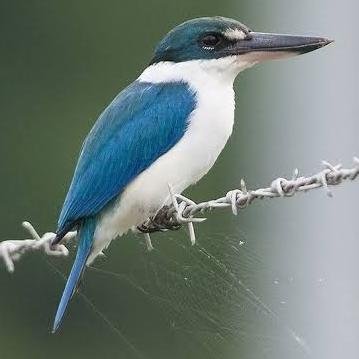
217 38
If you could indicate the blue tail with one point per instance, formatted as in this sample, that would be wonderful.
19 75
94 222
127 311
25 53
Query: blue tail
86 232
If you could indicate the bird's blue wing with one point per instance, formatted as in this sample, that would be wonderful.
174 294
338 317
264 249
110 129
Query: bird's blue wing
142 123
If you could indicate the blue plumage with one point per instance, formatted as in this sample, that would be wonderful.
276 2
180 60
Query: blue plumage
142 123
200 57
85 236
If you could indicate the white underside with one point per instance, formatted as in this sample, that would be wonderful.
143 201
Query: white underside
191 158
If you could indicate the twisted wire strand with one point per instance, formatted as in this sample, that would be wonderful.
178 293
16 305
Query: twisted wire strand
183 211
241 198
12 250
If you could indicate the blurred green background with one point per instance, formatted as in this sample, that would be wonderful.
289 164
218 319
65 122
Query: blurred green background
277 281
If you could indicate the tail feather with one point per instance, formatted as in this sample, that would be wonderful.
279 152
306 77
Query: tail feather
62 231
85 241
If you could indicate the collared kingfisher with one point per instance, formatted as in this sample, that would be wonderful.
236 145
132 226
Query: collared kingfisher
167 127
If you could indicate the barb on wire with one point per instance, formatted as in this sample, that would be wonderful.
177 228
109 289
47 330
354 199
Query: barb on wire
13 250
183 210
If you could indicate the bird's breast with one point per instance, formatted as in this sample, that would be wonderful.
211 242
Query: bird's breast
209 127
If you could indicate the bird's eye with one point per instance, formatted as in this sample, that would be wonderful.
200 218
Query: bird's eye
210 41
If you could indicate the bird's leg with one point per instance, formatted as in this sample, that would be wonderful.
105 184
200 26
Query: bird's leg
170 218
164 218
162 221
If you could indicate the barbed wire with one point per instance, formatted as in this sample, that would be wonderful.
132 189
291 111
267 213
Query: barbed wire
183 211
13 250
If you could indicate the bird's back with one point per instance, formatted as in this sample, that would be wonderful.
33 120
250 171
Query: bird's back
142 122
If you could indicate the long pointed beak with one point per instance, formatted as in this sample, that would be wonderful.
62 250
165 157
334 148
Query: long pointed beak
271 46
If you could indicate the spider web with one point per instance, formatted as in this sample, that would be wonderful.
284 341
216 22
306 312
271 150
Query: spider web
205 294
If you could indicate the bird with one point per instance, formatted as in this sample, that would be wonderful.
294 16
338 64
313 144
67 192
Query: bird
168 127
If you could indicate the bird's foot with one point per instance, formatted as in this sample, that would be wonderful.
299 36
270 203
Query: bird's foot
161 222
171 218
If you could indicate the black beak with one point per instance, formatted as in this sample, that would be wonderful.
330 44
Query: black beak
263 42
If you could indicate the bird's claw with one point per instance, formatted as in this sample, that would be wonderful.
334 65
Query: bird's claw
161 222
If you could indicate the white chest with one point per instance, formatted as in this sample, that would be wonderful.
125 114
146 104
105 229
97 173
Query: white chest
209 128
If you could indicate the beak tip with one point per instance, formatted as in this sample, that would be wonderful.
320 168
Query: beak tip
319 43
327 41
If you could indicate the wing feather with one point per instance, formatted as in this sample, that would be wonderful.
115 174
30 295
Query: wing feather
142 123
